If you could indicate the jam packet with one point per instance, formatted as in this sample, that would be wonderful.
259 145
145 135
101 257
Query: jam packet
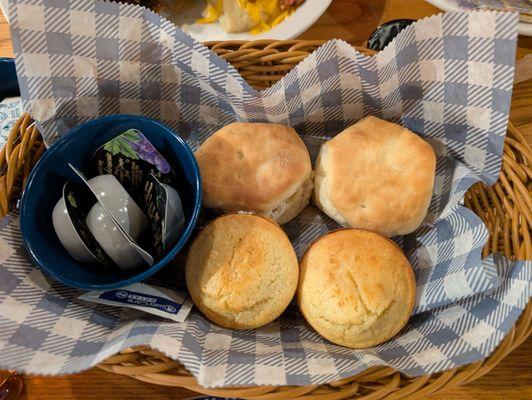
150 180
79 200
165 211
156 300
131 158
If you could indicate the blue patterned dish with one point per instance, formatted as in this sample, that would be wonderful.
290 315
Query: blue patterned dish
11 111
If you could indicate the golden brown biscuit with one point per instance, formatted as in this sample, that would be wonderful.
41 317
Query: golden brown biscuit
242 271
376 175
262 168
356 288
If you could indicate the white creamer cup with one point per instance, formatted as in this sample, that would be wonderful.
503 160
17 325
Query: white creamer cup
120 204
112 240
67 234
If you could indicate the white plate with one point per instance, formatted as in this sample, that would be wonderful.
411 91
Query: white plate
523 28
290 28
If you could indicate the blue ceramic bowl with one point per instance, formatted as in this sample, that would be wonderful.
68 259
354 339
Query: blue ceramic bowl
44 188
9 84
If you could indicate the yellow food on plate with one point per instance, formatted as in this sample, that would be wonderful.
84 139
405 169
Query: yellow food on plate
242 271
248 15
356 288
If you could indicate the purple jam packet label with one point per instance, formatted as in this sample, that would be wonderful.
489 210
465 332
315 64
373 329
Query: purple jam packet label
132 158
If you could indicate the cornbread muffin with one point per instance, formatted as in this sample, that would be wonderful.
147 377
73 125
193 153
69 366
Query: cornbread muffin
242 271
376 175
262 168
356 288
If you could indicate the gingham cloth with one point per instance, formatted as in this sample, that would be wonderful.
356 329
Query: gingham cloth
447 77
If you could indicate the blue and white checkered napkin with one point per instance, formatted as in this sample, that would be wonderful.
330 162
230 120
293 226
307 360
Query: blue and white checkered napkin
447 77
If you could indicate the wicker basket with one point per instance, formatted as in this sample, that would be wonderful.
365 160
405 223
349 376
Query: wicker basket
506 209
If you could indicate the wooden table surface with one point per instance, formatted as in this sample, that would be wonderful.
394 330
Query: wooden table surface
353 21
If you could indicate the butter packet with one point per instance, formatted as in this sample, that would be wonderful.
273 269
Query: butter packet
152 299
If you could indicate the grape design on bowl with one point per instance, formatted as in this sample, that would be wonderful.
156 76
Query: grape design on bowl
133 144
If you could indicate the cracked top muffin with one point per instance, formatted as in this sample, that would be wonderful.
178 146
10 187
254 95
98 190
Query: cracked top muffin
356 288
242 271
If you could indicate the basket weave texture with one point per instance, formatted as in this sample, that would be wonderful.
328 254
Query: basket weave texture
505 208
